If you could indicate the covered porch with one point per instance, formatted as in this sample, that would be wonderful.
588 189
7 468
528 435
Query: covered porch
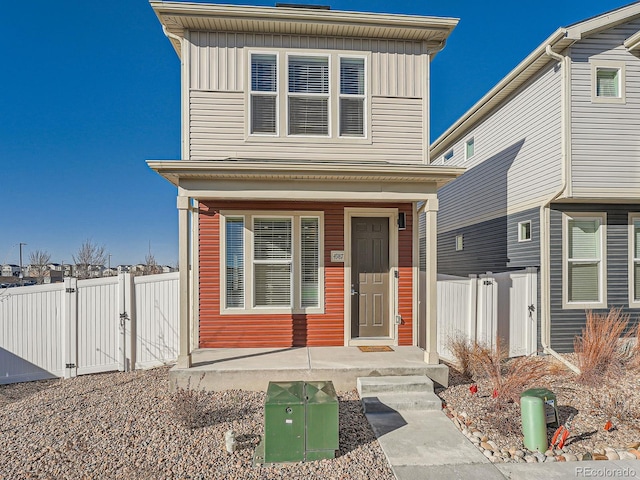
203 186
253 368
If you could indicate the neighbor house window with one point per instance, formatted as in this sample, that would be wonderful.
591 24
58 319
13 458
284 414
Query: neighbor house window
352 97
459 244
584 269
524 231
308 95
448 156
470 148
264 94
608 82
273 262
634 259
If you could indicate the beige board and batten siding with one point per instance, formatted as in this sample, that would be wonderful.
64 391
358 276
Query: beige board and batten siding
218 62
217 109
605 136
217 131
517 160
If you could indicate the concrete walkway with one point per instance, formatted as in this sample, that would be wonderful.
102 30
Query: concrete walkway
422 444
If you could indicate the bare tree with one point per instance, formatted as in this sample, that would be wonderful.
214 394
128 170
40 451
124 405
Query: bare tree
151 266
89 254
38 260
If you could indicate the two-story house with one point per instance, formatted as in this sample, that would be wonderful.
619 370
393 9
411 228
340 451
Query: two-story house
304 174
553 179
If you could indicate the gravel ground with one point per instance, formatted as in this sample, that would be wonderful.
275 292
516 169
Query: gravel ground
124 425
617 401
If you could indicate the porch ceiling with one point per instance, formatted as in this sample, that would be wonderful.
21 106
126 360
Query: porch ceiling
252 179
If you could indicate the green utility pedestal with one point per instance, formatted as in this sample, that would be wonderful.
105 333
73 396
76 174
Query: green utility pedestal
300 423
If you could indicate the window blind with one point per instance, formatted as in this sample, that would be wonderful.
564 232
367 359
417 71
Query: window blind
636 260
584 261
264 96
309 263
308 95
607 83
235 262
272 244
352 97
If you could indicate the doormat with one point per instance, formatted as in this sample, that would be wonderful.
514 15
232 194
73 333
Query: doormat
381 348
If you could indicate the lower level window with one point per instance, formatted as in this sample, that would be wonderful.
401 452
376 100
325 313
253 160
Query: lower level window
272 262
634 254
584 257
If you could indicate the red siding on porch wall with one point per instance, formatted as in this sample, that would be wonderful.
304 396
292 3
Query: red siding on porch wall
289 330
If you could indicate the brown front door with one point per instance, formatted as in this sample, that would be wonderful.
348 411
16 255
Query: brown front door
370 277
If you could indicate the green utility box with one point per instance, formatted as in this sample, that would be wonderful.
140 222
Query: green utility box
550 403
300 422
321 436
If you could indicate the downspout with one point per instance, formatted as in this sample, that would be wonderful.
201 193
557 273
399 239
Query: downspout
545 260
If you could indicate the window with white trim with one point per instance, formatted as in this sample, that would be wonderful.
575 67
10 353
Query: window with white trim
584 267
524 231
264 94
234 241
273 261
469 148
308 95
459 243
297 93
608 82
352 97
448 156
634 259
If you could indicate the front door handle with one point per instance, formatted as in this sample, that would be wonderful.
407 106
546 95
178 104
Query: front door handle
353 291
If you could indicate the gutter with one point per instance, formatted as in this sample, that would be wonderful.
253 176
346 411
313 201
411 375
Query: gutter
545 260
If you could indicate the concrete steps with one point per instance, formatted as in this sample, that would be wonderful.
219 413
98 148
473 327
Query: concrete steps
388 394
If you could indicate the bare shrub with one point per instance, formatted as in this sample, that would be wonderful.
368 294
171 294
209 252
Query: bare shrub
635 352
508 378
462 350
189 404
520 374
486 362
598 355
612 406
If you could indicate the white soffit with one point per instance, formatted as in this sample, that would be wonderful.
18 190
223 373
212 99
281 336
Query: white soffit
178 17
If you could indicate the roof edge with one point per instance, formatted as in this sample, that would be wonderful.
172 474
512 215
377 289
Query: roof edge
285 14
490 100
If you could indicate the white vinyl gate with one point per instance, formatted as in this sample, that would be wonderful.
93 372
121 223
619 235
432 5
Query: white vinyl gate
485 307
88 326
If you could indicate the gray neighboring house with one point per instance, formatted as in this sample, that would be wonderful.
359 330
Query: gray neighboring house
553 179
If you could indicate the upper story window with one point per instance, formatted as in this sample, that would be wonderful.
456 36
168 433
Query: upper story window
296 94
352 97
264 94
470 148
608 82
448 156
308 95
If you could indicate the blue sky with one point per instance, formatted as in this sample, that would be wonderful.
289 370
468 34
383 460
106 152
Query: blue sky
90 90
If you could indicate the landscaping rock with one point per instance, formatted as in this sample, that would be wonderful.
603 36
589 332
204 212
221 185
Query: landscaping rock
569 457
530 459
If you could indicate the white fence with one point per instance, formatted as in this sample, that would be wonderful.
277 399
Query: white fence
88 326
483 308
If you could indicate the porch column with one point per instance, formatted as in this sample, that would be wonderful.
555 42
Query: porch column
184 352
431 295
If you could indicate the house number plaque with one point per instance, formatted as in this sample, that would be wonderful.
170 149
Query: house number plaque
337 256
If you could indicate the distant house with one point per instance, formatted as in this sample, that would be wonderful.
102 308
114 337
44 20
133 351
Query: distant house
10 270
304 176
110 272
553 179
